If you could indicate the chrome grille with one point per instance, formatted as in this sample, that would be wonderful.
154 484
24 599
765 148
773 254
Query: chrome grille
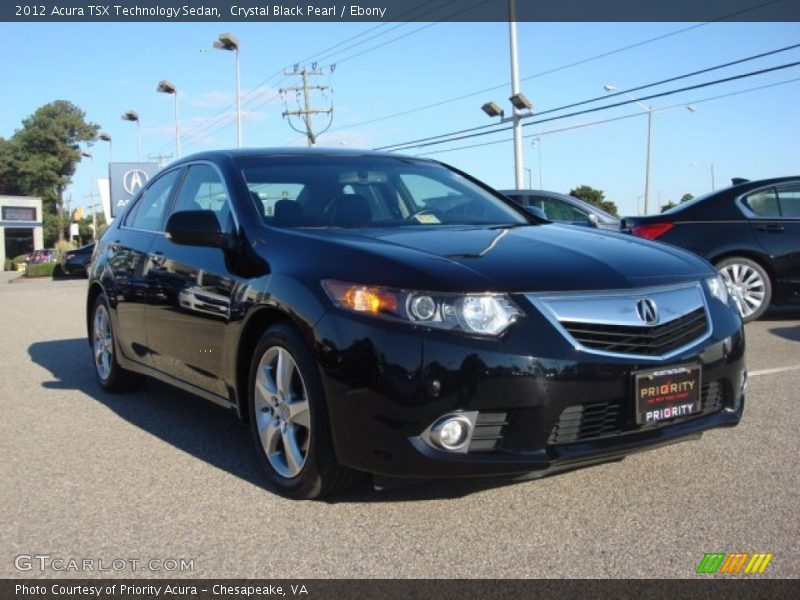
645 341
612 323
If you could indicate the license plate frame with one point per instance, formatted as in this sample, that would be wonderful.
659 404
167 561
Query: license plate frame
666 393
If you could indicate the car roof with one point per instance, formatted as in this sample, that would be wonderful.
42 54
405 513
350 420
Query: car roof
293 151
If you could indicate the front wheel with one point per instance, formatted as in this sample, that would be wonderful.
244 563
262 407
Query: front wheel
289 419
748 284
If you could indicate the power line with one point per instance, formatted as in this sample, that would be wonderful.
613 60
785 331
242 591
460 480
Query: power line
321 53
480 131
222 114
398 26
620 93
612 119
552 70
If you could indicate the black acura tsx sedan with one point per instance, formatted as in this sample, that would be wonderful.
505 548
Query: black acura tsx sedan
375 313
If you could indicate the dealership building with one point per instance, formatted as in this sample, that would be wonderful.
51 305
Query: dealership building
20 226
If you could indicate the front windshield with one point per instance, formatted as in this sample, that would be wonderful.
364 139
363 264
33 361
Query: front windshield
368 191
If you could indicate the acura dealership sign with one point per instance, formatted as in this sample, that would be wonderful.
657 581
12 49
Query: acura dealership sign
127 180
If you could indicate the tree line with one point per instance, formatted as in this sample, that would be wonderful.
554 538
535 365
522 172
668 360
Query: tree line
40 158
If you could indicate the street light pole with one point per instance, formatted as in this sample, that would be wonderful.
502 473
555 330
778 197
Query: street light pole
517 121
167 87
227 42
530 178
647 167
649 110
537 141
711 166
91 194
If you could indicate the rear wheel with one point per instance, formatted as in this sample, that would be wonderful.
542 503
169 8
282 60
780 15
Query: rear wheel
749 286
110 375
289 419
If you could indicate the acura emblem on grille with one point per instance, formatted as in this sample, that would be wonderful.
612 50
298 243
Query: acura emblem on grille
647 310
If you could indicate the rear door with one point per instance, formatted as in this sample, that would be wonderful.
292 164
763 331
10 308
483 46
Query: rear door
128 260
776 225
191 289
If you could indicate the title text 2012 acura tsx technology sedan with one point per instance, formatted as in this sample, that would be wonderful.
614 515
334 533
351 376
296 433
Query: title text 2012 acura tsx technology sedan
390 315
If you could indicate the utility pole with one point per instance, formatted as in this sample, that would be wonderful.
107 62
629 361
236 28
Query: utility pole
93 207
307 111
160 158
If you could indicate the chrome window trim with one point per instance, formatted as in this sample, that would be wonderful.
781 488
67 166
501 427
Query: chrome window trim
539 301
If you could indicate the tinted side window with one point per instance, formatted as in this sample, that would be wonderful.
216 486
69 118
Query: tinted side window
556 210
763 203
148 214
789 197
202 189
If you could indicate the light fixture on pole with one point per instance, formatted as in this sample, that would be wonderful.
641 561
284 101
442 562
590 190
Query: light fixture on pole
106 138
227 42
493 110
167 87
132 115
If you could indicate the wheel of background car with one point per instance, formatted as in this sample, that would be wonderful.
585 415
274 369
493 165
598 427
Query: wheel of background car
749 286
289 421
110 375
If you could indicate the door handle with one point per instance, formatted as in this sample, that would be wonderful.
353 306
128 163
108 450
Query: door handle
771 227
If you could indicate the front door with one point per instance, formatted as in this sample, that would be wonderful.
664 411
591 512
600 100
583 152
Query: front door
190 289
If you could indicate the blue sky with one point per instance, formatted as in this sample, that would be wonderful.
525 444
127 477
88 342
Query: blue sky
110 67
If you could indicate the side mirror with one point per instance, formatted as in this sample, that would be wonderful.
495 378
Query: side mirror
593 220
196 228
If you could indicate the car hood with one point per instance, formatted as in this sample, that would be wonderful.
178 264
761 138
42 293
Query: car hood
529 258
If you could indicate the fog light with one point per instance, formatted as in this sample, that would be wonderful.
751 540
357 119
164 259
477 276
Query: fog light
451 432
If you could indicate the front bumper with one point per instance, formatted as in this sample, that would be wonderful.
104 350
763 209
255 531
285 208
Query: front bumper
545 405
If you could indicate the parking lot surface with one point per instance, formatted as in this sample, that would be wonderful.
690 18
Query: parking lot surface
160 474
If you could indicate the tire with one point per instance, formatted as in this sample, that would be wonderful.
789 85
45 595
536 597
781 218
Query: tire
109 374
289 419
748 284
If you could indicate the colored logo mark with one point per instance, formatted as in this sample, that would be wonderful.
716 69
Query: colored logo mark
734 563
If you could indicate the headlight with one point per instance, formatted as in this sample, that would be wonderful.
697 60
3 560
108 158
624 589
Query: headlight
482 314
717 288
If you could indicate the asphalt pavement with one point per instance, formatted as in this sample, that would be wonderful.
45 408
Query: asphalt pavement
161 475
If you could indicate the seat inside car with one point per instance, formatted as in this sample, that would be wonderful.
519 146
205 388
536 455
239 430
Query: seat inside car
288 213
350 210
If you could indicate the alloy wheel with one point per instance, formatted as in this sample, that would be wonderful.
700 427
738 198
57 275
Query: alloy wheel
102 342
746 286
282 412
